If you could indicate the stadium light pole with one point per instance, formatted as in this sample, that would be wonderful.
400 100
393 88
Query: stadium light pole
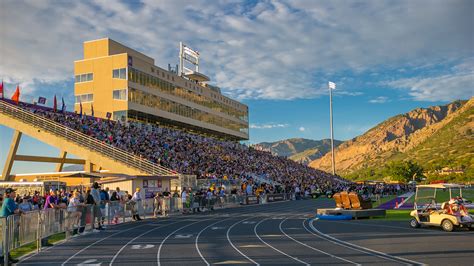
332 86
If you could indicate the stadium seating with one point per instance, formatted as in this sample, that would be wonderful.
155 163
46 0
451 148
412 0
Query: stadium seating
193 154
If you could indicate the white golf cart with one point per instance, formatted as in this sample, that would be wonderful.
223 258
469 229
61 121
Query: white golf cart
428 212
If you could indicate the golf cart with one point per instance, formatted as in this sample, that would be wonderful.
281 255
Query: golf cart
448 214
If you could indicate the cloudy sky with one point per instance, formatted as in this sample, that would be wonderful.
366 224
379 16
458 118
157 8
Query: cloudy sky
386 57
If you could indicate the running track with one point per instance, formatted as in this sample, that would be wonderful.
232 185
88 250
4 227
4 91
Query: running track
277 234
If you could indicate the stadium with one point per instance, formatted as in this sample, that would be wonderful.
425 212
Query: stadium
165 180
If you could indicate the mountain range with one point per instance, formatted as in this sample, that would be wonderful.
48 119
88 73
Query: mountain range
299 149
436 137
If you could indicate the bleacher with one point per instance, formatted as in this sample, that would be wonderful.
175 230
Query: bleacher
153 148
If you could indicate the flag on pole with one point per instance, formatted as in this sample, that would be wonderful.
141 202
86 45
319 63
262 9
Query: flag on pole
80 109
55 104
108 115
1 89
42 100
332 85
63 107
16 95
92 109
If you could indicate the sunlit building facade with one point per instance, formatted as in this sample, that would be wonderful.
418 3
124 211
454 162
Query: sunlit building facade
120 83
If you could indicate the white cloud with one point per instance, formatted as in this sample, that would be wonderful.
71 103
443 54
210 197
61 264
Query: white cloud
269 50
268 126
459 84
380 99
302 129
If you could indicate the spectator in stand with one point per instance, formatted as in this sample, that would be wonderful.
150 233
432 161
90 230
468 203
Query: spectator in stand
188 153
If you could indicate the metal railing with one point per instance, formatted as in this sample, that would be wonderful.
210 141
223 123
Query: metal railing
89 142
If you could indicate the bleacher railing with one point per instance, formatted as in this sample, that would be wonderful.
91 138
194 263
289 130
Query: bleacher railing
89 142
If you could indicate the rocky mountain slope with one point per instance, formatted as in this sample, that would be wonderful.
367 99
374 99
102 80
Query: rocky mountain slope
422 131
299 149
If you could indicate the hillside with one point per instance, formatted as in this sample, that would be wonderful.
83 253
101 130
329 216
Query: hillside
299 149
434 137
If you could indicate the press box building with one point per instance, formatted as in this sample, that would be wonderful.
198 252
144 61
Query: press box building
121 83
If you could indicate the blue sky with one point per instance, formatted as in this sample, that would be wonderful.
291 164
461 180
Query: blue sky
387 57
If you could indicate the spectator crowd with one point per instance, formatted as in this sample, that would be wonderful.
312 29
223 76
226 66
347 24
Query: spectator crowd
193 154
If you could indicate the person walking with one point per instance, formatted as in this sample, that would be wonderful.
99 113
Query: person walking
9 208
137 198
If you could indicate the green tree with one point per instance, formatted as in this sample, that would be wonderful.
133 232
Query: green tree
404 171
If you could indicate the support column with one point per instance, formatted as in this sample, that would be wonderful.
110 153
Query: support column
59 166
88 167
11 155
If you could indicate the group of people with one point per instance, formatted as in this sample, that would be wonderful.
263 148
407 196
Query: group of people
188 153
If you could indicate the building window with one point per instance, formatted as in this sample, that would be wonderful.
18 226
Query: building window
84 77
120 116
119 73
120 94
84 98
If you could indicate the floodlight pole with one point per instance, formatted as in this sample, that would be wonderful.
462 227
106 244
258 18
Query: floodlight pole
332 131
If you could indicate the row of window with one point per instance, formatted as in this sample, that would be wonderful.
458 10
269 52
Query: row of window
169 88
163 104
84 98
119 73
84 77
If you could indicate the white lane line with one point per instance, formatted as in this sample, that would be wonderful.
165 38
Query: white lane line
60 243
135 238
172 233
244 221
313 248
395 227
197 240
232 244
272 247
98 241
363 249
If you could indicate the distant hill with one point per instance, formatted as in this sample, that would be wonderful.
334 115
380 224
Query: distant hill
299 149
435 137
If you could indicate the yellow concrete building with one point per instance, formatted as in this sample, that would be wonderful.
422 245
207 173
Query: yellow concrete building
124 84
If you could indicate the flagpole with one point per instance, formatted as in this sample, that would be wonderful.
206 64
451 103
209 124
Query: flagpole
331 86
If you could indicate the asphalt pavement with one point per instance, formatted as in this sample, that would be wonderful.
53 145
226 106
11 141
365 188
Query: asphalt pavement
282 233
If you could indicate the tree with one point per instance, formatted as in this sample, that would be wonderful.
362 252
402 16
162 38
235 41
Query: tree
404 171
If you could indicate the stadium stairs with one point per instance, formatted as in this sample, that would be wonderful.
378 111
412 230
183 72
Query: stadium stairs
86 147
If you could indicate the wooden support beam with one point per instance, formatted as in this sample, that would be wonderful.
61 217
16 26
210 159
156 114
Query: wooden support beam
11 155
43 159
59 166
